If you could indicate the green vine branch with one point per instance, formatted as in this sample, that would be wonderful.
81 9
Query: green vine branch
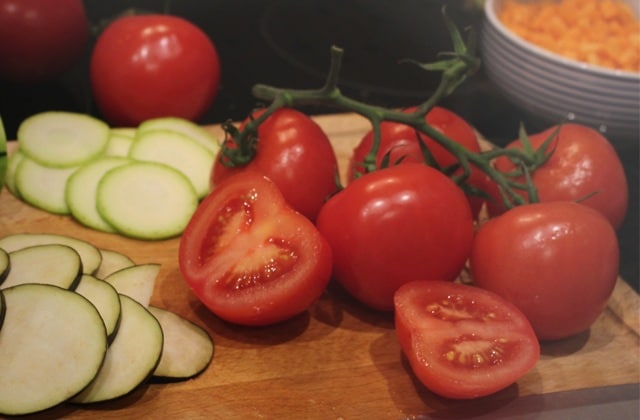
455 68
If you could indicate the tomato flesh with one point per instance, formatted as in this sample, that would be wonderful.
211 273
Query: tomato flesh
461 341
249 257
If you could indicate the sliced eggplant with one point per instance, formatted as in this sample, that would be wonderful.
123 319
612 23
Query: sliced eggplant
105 298
52 345
55 264
187 348
137 281
131 358
112 261
89 253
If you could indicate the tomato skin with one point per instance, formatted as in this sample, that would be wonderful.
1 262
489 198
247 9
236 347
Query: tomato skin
295 153
40 39
583 162
147 66
249 257
556 261
400 141
438 323
396 225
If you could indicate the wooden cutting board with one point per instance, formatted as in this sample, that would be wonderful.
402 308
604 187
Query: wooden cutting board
337 361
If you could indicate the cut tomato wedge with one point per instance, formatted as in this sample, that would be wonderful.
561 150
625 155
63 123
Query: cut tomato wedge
462 341
249 257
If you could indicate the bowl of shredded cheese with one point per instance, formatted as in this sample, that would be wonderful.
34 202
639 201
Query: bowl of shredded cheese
568 60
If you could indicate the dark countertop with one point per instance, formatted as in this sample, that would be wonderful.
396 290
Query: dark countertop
286 43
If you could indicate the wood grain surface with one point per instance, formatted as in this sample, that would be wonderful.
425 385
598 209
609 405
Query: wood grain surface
338 360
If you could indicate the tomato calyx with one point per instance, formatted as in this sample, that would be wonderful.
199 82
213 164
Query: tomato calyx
240 146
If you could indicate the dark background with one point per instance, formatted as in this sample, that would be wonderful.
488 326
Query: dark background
286 43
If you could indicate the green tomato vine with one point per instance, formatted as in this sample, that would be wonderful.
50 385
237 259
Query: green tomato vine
455 68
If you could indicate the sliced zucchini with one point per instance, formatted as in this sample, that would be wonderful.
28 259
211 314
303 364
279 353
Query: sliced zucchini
5 265
3 307
182 126
52 345
81 188
105 298
146 200
137 282
131 358
43 186
178 151
62 139
119 143
55 264
112 261
187 348
90 254
12 165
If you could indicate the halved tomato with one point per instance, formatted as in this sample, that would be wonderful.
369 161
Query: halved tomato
462 341
249 257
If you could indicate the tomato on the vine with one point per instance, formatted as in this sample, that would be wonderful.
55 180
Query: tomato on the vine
462 341
396 225
294 152
400 143
584 167
147 66
249 257
40 39
556 261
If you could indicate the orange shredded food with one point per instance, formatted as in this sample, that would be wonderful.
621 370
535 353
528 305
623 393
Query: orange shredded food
604 33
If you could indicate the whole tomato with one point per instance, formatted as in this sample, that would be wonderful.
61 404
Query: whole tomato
148 66
40 39
556 261
396 225
400 143
294 152
584 167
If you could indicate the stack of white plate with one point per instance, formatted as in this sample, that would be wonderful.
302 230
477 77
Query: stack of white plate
553 89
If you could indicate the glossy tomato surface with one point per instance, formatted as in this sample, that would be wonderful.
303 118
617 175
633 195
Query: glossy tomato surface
584 167
249 257
148 66
295 153
40 39
461 341
401 143
556 261
396 225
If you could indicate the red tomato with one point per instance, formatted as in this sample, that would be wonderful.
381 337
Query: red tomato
461 341
584 162
400 141
40 39
396 225
249 257
148 66
556 261
296 154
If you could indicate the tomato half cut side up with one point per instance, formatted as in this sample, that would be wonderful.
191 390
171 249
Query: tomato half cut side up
249 257
461 341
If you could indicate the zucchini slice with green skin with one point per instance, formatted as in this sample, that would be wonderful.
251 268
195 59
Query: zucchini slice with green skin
112 261
105 298
5 265
137 282
90 254
80 192
43 186
131 358
12 165
119 143
178 151
62 139
55 264
52 345
187 349
182 126
3 307
146 200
